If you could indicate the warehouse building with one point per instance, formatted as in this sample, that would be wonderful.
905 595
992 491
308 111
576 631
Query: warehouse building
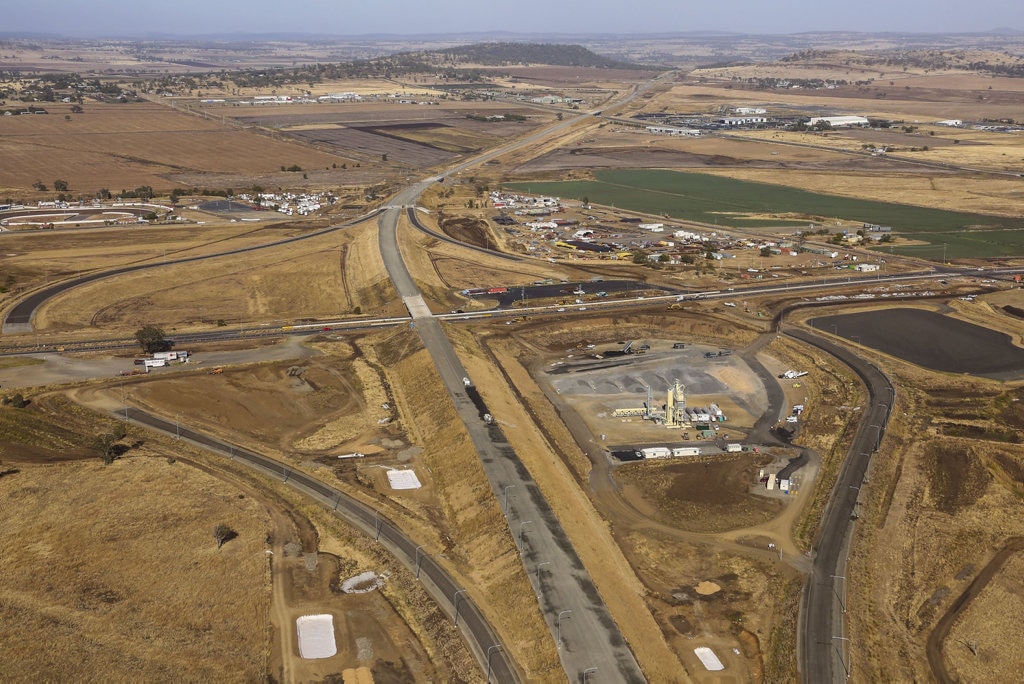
839 121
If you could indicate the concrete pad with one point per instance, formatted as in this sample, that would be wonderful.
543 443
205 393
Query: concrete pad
316 636
403 479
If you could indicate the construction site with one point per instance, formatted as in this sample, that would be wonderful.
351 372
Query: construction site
660 398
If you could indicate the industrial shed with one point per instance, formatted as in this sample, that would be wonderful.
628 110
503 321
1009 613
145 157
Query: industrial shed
839 121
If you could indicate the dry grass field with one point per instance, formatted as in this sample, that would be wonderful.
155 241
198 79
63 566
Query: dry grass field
34 258
323 277
990 624
442 270
114 570
332 406
172 592
124 146
943 493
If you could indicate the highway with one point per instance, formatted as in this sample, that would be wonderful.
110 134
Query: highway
569 601
441 586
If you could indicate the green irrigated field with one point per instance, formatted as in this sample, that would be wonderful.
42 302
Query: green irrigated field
715 200
977 244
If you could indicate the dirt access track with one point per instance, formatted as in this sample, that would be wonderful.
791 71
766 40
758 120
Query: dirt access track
936 640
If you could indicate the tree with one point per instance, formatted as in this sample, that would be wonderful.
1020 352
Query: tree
384 157
151 339
60 185
223 533
40 186
17 401
107 443
76 109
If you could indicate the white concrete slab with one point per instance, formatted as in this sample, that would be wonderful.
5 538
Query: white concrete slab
316 636
403 479
709 659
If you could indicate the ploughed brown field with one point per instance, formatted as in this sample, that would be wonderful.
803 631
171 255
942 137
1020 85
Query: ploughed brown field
125 146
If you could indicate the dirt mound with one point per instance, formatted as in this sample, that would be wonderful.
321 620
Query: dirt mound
468 230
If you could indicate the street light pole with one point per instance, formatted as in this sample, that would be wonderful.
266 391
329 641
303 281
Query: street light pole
878 436
836 591
538 569
838 653
504 494
455 600
490 649
558 625
521 526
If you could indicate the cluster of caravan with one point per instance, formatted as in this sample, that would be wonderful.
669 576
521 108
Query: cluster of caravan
677 452
161 359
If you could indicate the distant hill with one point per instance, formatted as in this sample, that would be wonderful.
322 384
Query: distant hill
510 54
995 62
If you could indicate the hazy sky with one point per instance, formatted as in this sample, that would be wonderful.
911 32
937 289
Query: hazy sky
351 17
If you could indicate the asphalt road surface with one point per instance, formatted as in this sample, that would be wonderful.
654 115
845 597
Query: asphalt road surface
568 598
435 579
822 652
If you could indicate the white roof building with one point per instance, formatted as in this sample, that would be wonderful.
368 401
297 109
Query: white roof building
839 121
